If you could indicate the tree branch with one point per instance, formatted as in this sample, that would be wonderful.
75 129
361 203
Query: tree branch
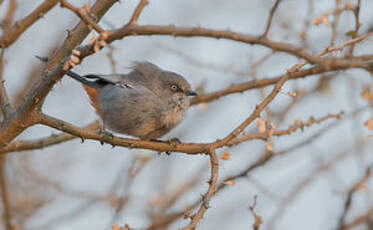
269 21
210 192
137 12
46 141
350 194
135 30
5 106
22 25
25 113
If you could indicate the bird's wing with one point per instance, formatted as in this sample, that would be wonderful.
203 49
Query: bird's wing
113 79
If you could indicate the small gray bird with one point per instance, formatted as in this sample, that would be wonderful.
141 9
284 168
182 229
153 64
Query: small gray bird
147 102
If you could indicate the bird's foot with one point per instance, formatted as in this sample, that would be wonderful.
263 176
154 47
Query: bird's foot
174 142
105 135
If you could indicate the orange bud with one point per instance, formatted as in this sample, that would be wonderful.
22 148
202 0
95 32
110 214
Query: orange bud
225 156
292 94
369 124
269 146
229 182
261 125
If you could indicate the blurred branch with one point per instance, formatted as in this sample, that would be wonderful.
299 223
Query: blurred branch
292 195
22 25
337 15
356 12
124 196
269 21
350 194
304 34
258 219
200 64
359 220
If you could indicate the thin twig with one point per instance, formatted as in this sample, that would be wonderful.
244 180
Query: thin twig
293 128
359 220
137 12
350 193
269 21
196 218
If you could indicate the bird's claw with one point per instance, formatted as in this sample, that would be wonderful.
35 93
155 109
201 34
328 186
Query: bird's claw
105 135
174 142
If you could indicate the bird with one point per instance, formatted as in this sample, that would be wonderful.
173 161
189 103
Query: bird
147 103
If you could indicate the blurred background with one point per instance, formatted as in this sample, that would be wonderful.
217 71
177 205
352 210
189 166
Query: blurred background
303 185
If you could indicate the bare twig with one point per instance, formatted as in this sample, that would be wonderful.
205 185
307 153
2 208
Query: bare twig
350 194
196 218
293 128
337 15
137 12
258 219
269 21
359 220
22 25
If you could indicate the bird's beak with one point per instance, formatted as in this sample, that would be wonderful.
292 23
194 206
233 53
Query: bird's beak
192 93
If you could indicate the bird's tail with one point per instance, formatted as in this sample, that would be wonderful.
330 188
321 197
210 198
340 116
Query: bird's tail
83 80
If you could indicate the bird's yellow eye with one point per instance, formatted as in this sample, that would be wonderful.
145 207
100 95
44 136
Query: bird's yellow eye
174 87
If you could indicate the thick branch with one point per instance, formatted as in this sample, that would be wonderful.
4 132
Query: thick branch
24 115
44 142
83 15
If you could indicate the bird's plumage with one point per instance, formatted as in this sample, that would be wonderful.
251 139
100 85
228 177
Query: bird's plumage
147 102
